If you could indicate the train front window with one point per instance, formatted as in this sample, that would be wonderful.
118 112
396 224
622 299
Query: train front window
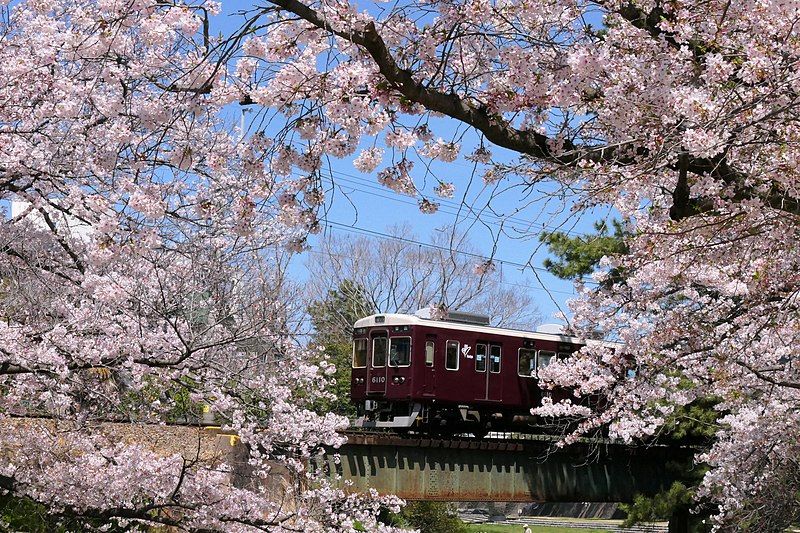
544 359
451 357
480 358
494 359
359 353
379 348
400 351
527 362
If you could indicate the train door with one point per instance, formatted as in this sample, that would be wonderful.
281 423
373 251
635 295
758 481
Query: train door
429 381
481 363
487 368
376 370
494 383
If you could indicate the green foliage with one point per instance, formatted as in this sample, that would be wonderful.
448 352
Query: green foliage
334 316
18 514
661 507
579 256
695 423
428 517
339 354
333 320
24 515
672 503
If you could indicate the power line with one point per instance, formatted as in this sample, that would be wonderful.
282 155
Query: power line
502 282
450 208
362 181
381 235
472 214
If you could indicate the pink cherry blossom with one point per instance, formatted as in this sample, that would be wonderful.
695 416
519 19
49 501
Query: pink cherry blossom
137 289
427 207
368 160
444 190
681 116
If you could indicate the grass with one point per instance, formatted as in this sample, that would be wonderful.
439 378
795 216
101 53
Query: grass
503 528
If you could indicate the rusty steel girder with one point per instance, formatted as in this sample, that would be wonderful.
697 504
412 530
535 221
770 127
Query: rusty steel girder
504 470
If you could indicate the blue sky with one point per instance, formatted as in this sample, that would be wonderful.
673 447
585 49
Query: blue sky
358 204
516 250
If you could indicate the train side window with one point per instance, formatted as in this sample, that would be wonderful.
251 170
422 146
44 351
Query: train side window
400 351
451 357
379 349
429 348
480 358
527 362
544 358
359 353
494 359
563 355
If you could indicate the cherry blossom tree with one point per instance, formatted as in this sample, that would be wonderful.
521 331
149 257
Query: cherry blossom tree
681 114
138 276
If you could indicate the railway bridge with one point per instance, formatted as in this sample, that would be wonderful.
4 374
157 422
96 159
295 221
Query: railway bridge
505 470
445 469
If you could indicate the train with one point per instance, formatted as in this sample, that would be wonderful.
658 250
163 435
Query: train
412 372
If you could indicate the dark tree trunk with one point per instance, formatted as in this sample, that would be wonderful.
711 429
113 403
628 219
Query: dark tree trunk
679 521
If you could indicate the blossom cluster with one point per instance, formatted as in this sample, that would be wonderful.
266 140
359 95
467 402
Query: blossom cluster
681 115
139 284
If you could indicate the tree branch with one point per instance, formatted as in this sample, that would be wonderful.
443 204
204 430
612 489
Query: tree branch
493 126
500 132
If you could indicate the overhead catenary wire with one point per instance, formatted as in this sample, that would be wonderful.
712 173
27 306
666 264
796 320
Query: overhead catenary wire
445 205
336 226
381 235
358 181
514 320
502 282
362 181
374 233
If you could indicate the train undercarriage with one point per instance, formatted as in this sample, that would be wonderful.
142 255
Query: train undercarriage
433 419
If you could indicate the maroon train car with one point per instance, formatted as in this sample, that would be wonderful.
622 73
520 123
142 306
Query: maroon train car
411 372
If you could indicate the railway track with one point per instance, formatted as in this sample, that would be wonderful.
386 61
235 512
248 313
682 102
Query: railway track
491 436
512 441
493 441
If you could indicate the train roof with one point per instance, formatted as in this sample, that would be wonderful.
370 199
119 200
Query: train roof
397 319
